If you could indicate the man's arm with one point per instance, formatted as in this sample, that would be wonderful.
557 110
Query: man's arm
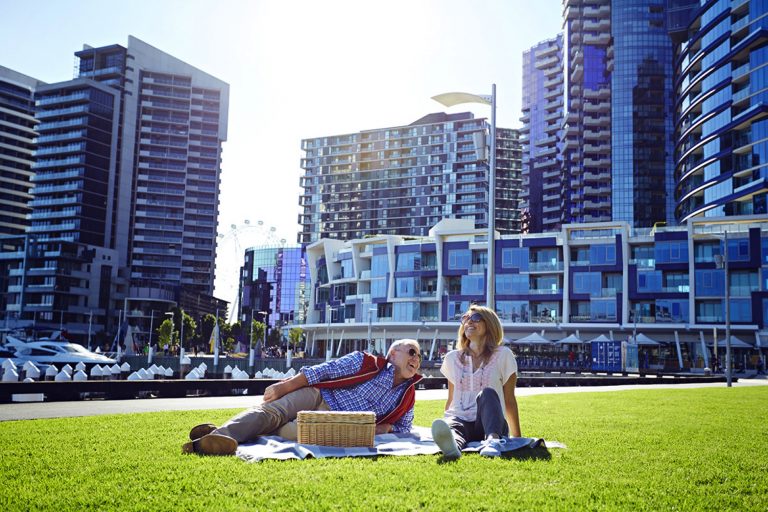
284 387
310 375
341 367
405 422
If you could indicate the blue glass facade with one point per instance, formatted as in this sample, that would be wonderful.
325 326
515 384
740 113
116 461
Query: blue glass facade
721 86
641 114
275 280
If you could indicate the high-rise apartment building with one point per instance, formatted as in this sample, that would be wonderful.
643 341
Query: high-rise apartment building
541 134
175 120
125 197
721 92
587 128
17 139
405 179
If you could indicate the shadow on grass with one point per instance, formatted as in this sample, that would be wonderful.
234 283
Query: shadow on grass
538 453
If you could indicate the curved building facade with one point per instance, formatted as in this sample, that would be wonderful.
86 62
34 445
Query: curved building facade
721 121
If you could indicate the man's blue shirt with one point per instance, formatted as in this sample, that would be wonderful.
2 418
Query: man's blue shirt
376 394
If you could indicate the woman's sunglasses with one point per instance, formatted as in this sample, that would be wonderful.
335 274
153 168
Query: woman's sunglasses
475 317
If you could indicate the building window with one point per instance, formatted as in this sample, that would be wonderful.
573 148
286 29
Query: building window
515 257
710 283
604 254
459 259
472 285
408 261
406 286
648 282
514 311
587 282
674 251
379 265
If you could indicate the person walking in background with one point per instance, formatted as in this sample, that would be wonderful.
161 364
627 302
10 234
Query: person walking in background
482 376
354 382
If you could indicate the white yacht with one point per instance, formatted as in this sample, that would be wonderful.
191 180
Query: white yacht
53 350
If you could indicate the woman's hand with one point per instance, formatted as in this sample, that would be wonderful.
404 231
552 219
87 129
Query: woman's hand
383 428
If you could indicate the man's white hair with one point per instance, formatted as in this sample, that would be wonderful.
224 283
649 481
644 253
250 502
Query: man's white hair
404 341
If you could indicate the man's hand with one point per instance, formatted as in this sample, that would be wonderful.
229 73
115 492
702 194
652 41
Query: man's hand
282 388
383 428
274 391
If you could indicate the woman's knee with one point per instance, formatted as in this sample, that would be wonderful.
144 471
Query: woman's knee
487 394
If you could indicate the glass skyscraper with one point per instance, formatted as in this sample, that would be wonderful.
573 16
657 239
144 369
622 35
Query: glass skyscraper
642 189
615 147
275 281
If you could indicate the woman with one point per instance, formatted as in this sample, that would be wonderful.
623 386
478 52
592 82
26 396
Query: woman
481 377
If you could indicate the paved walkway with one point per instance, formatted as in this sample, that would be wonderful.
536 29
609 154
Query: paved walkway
37 410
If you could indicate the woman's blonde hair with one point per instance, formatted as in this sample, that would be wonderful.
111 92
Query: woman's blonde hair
494 334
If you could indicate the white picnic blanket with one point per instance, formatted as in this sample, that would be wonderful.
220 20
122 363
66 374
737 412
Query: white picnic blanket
417 442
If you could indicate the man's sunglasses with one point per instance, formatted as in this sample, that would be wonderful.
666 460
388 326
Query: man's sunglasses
475 317
413 352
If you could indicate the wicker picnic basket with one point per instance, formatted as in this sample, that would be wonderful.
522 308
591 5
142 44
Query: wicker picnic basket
336 428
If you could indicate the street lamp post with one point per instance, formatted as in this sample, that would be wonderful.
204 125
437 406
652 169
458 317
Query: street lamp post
456 98
181 336
251 348
371 346
328 312
721 260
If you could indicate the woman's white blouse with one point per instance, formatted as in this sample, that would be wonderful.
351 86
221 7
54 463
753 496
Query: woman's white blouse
469 381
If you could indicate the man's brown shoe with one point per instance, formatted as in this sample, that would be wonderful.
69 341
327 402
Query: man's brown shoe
188 447
212 444
199 431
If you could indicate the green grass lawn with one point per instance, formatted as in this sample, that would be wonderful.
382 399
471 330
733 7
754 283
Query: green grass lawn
684 449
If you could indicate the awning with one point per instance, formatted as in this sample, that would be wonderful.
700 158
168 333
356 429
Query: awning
602 337
642 339
735 343
532 339
571 339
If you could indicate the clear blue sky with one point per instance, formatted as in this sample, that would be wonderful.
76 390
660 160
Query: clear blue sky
296 69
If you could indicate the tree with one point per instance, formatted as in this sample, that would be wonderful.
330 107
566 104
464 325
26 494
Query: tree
295 335
258 332
165 332
190 326
228 344
236 330
274 338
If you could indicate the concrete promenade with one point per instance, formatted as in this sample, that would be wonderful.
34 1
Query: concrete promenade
28 411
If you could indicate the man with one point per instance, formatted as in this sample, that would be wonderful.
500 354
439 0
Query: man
355 382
